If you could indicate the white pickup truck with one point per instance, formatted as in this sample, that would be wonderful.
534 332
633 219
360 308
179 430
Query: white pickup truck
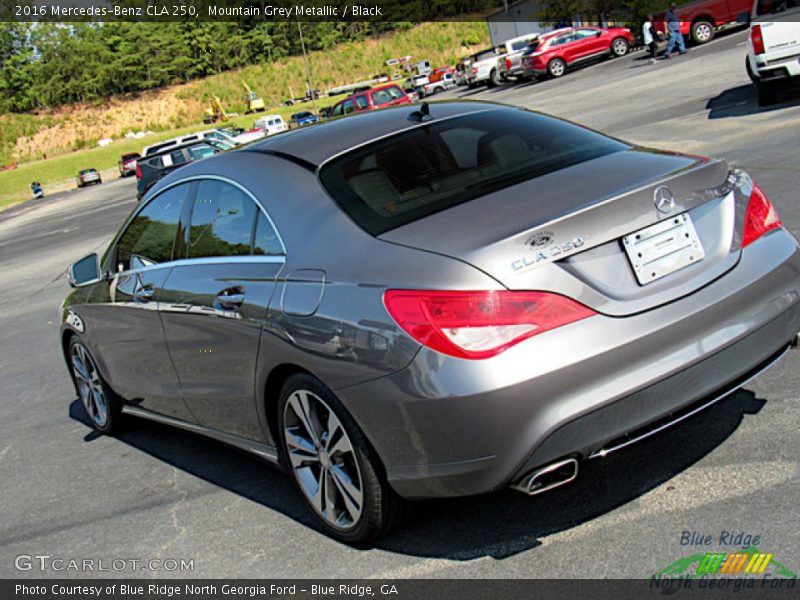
447 81
773 48
488 67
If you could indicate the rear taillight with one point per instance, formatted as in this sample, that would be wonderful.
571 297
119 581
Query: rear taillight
758 39
138 171
479 324
760 218
474 70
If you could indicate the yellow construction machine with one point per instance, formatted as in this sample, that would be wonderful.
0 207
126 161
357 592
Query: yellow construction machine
252 102
215 112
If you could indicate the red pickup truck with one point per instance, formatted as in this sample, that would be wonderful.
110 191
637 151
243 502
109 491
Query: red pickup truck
701 19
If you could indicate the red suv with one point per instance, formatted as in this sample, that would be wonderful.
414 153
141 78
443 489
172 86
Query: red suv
379 97
562 49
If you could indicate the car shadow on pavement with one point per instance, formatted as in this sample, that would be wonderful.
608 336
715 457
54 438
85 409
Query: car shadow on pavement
497 525
742 100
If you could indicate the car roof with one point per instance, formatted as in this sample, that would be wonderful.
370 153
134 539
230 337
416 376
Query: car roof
370 90
312 146
174 147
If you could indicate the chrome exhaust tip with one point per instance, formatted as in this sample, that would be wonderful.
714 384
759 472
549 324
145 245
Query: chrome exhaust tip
547 478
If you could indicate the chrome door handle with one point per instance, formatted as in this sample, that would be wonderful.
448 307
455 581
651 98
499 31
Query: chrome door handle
230 298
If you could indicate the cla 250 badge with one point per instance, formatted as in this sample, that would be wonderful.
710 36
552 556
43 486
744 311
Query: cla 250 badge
542 252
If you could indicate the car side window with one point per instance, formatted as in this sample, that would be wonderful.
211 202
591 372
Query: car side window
362 102
395 92
198 152
150 237
177 157
222 221
348 107
381 97
266 240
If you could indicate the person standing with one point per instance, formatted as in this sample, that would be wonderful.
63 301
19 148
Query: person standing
649 39
674 30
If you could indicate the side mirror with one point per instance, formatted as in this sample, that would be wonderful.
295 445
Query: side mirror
85 271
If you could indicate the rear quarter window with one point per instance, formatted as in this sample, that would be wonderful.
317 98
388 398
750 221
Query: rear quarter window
431 168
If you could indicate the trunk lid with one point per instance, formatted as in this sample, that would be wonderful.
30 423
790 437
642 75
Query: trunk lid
562 232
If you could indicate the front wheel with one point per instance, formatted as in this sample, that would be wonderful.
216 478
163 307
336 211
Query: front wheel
332 465
556 67
619 47
702 32
102 406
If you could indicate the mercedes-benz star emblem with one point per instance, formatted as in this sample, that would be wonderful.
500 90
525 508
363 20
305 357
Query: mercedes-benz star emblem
663 199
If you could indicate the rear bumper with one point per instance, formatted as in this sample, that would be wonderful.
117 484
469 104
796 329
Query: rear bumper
779 69
450 427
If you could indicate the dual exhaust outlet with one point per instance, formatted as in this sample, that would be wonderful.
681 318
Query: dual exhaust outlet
547 478
561 472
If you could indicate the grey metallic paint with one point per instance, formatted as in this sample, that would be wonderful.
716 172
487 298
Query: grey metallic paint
444 426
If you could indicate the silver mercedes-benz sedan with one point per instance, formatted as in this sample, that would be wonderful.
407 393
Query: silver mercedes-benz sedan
432 301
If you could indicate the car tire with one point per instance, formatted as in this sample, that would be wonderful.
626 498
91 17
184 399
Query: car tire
99 181
333 467
495 78
767 93
619 47
702 32
101 405
556 67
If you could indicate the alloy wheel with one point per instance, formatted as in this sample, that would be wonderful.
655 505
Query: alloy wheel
703 32
90 385
620 47
557 68
323 459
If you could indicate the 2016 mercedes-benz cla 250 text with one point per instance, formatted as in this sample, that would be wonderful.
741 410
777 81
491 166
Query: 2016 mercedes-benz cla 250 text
432 301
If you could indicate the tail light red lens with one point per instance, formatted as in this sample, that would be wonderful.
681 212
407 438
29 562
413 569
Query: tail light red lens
138 171
758 39
479 324
760 217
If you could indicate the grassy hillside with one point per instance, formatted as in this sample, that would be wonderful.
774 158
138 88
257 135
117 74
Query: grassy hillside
68 129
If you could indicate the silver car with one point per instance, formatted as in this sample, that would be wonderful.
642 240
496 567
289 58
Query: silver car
432 301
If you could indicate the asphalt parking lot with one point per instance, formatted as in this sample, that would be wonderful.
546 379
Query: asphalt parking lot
157 493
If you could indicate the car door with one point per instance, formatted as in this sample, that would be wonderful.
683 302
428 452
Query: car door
214 304
587 44
134 352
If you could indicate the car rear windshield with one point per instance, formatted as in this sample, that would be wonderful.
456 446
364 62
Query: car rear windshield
420 172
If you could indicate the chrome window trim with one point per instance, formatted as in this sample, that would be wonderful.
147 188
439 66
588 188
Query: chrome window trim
215 259
207 260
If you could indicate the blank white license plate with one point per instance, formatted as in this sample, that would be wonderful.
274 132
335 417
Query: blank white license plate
663 248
